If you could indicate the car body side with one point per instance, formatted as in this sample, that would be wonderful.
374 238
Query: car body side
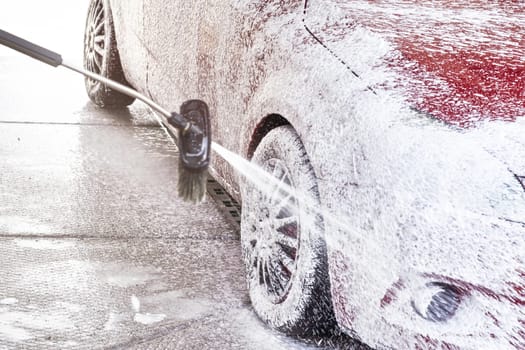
406 199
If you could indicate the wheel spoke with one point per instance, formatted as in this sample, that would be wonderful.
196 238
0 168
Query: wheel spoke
264 274
286 221
99 14
99 50
286 273
99 39
285 240
270 278
284 200
89 62
98 63
289 251
279 189
287 263
99 27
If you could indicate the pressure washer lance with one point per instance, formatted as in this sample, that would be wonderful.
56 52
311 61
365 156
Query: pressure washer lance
193 123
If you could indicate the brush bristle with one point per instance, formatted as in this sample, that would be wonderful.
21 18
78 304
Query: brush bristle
192 184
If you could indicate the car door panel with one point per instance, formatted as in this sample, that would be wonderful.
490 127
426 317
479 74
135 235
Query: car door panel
171 42
238 50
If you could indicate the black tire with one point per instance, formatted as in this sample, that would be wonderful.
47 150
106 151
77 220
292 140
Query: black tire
283 242
101 56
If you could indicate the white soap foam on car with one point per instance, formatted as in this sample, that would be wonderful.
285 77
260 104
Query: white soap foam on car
148 318
435 148
9 301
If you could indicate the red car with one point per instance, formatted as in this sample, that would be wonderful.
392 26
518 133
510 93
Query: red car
396 133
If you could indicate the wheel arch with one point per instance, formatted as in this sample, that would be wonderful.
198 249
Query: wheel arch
263 127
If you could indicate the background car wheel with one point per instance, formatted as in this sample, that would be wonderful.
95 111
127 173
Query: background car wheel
101 56
282 240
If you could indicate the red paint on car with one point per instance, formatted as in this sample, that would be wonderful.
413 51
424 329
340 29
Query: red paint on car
392 292
459 61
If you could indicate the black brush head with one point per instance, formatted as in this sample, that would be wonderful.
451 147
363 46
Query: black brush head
195 151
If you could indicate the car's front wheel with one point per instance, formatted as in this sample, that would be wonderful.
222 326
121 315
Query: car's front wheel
282 239
102 57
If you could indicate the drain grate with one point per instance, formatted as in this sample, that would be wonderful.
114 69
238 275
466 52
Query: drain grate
229 206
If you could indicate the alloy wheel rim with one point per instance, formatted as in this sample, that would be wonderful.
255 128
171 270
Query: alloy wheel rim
274 236
95 40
